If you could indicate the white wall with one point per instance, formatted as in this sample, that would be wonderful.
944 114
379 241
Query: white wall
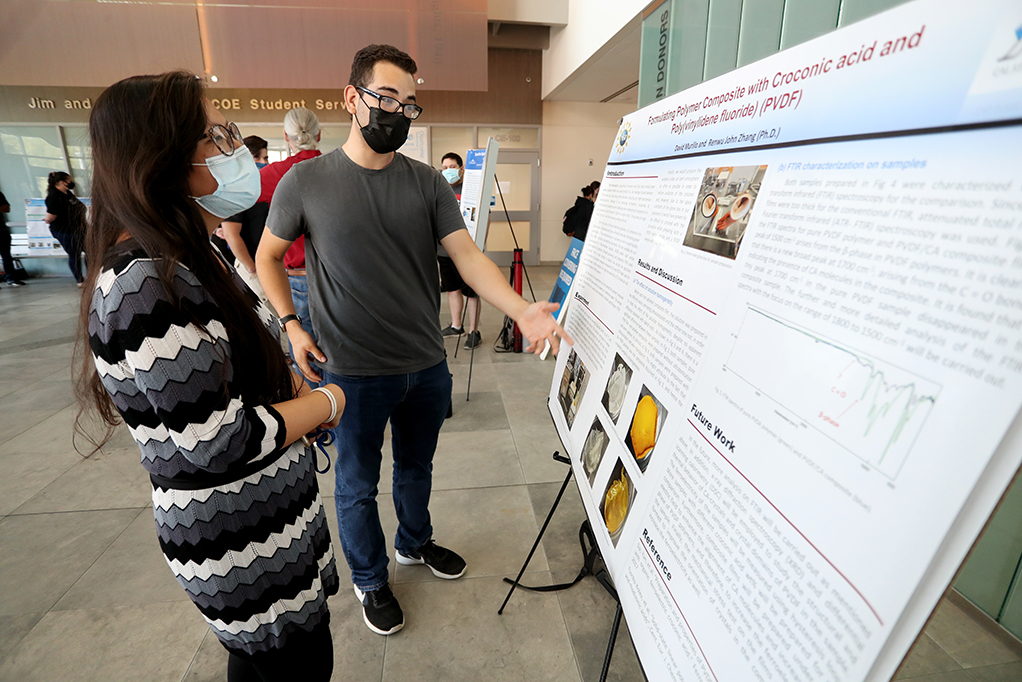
591 24
573 133
550 12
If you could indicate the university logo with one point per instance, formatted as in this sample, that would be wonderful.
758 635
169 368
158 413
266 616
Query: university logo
1000 71
623 135
1016 49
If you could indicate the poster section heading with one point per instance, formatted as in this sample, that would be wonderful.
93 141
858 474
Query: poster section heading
868 77
781 353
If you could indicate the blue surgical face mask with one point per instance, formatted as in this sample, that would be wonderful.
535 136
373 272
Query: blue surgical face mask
261 165
238 183
452 175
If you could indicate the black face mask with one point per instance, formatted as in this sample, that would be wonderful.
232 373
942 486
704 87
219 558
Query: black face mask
70 185
385 132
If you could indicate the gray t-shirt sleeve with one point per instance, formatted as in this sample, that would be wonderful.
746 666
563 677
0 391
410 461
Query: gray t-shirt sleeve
448 213
287 210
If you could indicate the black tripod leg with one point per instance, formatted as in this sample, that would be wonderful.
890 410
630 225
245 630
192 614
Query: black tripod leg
539 537
610 644
472 356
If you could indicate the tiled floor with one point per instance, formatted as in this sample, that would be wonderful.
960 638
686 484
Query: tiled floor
85 593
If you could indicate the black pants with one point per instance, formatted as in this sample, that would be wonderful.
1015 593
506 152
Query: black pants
73 244
308 656
5 253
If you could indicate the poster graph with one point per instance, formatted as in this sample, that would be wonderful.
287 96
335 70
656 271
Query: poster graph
870 408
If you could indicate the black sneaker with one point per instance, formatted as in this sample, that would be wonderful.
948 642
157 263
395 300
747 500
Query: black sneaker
452 331
473 340
380 610
443 562
15 283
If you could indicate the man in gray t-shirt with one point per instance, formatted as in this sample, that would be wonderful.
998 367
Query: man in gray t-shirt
372 219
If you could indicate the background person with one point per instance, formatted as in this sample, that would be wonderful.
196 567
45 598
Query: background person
259 149
576 219
453 170
303 134
5 245
183 352
66 216
373 218
243 230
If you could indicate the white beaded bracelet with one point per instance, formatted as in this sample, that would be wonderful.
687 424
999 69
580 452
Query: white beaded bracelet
333 403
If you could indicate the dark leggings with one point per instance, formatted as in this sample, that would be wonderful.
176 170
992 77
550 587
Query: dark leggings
308 656
5 253
73 244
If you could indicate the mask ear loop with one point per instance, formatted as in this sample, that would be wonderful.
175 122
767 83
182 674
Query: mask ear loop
355 115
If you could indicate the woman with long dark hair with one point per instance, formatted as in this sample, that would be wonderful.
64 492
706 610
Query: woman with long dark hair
187 356
65 215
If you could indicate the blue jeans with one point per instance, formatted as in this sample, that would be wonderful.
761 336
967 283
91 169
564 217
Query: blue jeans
415 405
73 243
300 297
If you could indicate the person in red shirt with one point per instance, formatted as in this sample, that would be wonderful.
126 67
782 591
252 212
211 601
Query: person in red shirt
301 130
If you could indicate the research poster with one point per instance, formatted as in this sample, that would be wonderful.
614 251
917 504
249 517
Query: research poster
476 189
793 399
40 240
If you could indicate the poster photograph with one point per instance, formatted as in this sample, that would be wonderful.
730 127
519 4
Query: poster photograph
723 209
799 305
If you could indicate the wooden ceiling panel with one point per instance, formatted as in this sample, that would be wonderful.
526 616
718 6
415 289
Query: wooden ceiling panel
94 44
264 47
250 44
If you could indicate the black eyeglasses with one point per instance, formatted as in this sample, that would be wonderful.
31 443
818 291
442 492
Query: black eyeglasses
392 106
223 137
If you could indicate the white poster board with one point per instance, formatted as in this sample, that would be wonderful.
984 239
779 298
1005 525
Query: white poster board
477 190
40 241
793 399
417 145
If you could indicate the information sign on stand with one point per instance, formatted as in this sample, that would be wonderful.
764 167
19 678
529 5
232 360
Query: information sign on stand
40 241
417 145
477 188
793 401
564 278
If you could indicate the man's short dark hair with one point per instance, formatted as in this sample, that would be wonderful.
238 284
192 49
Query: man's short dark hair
255 144
453 157
367 58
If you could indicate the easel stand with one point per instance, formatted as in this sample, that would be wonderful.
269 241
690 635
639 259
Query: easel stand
510 338
592 564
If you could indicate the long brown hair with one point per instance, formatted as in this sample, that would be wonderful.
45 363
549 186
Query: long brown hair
144 132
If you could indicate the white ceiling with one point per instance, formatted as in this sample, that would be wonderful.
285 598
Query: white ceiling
613 67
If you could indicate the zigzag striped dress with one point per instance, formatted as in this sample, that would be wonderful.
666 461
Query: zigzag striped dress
239 516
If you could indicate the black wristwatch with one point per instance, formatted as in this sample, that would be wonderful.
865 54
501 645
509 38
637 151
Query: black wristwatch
282 322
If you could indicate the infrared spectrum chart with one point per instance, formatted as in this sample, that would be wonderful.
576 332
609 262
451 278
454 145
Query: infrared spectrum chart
872 409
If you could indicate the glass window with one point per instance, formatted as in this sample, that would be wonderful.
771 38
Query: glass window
331 137
27 156
444 140
511 138
79 153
